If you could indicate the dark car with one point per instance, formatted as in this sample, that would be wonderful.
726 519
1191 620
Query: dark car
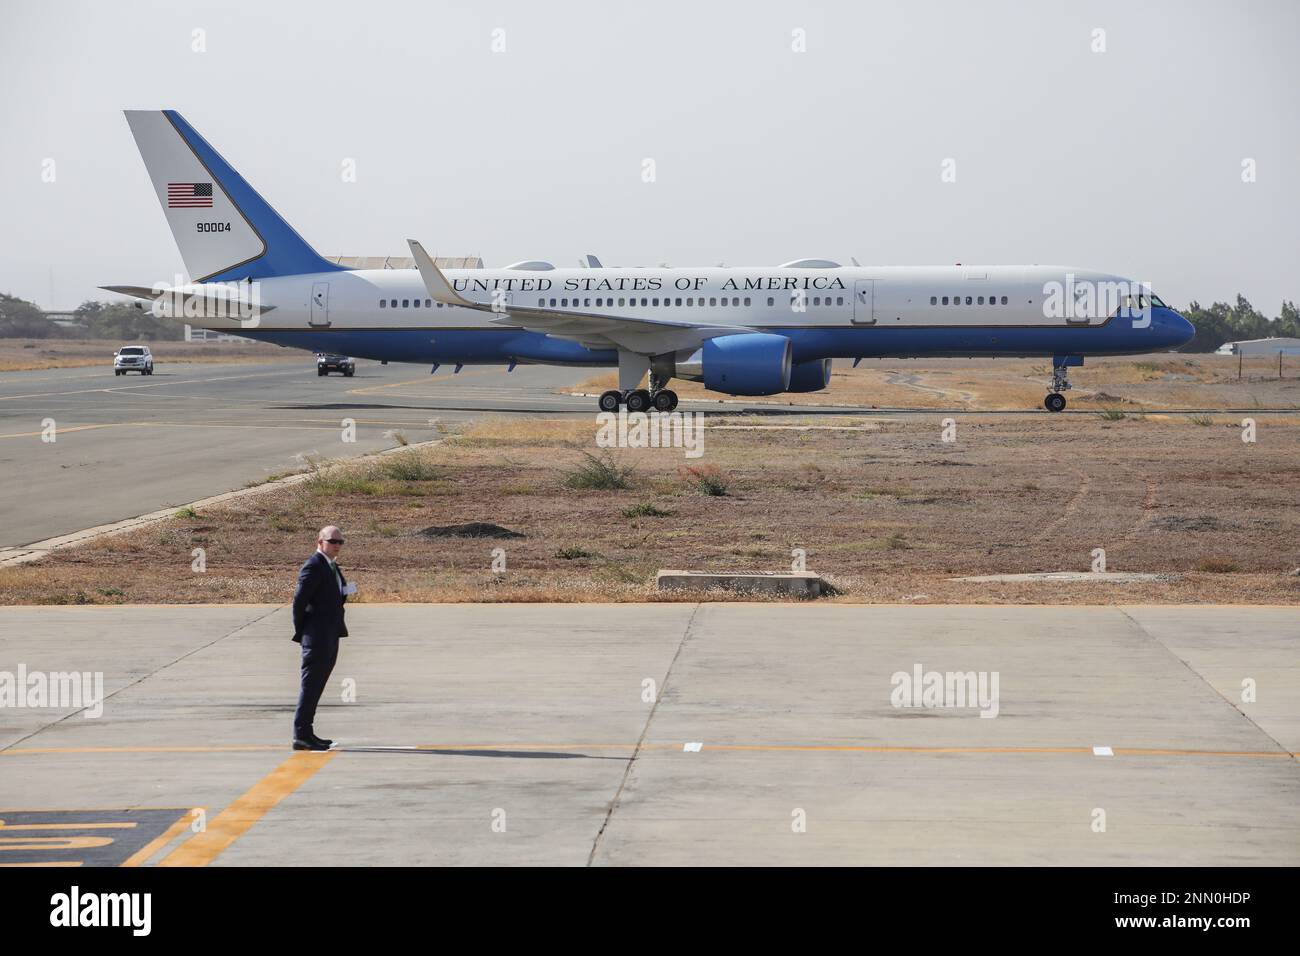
335 363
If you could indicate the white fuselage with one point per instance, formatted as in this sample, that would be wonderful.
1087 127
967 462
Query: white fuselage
761 298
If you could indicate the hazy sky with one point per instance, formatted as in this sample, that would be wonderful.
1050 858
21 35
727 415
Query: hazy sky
1128 160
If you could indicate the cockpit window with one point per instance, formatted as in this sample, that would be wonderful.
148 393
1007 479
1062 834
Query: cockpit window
1131 304
1141 301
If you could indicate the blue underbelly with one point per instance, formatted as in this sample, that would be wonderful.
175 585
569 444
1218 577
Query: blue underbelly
501 346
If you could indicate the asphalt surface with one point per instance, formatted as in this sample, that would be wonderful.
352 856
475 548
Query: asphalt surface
659 734
132 445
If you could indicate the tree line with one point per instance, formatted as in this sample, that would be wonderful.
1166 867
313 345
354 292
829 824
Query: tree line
123 322
117 321
1231 323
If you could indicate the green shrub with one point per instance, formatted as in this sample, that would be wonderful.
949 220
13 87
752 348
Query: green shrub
707 479
646 510
407 465
599 472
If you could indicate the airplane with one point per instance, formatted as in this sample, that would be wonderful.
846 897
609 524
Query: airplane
740 330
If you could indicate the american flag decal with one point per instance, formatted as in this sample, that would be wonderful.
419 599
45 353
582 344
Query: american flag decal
189 195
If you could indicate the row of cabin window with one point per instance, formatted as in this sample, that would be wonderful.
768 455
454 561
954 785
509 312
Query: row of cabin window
603 303
970 300
408 303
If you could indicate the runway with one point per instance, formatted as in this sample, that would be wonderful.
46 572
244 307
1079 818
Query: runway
128 446
659 734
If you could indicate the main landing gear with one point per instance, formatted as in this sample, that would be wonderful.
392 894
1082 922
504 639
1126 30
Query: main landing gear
1055 402
658 397
639 400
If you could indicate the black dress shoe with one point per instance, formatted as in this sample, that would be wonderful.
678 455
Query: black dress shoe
322 741
309 745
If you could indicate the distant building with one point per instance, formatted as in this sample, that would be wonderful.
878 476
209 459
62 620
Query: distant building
65 320
209 335
1254 348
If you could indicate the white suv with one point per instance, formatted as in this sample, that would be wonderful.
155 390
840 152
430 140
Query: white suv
133 358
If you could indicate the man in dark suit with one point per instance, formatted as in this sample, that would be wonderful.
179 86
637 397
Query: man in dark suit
317 626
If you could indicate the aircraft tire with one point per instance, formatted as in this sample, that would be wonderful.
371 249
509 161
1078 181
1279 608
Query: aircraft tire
665 400
638 401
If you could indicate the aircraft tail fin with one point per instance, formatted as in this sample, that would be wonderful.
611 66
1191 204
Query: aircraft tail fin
225 231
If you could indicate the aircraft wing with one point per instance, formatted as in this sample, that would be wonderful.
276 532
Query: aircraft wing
594 330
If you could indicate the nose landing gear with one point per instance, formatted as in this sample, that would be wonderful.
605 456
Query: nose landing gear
1055 402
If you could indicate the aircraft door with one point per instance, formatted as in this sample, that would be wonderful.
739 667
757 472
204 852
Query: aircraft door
864 302
320 304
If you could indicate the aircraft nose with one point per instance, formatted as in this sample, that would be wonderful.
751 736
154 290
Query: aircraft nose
1180 330
1170 329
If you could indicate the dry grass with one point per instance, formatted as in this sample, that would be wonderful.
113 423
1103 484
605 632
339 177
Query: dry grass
1155 382
500 431
25 354
890 514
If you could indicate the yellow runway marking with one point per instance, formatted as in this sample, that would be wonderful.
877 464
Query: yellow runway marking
61 430
234 821
233 748
124 825
54 843
82 834
160 841
60 863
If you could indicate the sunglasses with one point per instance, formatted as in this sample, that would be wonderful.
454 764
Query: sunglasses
333 540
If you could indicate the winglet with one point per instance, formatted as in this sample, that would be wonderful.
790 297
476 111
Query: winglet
434 281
